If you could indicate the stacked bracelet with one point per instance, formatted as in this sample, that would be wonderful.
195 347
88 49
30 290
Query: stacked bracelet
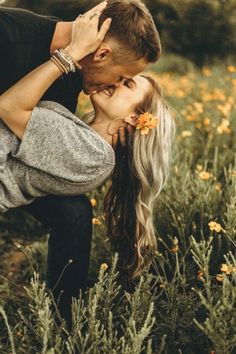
68 56
64 61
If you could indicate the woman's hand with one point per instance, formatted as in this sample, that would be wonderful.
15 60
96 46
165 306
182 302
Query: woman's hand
86 38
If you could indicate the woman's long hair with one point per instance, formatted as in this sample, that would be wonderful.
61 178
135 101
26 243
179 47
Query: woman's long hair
141 171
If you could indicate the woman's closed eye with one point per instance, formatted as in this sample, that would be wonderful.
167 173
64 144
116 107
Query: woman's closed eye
128 83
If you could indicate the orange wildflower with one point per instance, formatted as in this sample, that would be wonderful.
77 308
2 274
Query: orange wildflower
224 127
175 246
219 277
214 226
103 266
163 285
218 187
96 221
199 167
206 72
225 109
200 275
146 122
198 107
198 125
206 122
228 269
174 249
93 202
204 175
186 133
231 69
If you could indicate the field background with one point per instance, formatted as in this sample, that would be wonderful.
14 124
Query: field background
187 303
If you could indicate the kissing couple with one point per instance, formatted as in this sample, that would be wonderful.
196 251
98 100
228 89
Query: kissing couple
49 157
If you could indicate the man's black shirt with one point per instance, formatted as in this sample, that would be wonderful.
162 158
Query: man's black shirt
25 39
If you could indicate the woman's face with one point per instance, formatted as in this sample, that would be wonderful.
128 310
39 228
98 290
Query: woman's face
120 101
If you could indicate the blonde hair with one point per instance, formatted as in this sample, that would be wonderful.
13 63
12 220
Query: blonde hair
141 171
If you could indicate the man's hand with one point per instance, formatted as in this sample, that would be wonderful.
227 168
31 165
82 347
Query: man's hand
123 136
86 38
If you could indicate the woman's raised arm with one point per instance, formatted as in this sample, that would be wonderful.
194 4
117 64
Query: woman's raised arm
17 103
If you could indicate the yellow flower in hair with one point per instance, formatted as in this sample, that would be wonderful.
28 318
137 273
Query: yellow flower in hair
146 121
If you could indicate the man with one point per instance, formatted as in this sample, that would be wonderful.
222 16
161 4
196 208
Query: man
27 40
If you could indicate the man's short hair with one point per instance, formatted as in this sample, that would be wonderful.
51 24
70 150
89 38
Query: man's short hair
134 30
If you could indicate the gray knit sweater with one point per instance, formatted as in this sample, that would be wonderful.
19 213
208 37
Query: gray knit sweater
59 154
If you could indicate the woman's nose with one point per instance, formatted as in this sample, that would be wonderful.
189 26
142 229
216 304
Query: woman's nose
118 84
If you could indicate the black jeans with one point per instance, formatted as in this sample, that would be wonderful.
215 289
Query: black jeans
70 221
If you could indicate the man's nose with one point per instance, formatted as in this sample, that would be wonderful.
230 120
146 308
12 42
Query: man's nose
118 84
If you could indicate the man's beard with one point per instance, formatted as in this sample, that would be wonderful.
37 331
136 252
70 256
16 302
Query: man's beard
92 77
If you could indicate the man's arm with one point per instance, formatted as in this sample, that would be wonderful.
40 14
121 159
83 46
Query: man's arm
17 103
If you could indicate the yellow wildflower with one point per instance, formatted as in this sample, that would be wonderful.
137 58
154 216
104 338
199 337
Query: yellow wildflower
93 202
231 69
186 133
228 269
219 277
218 187
200 275
206 72
214 226
206 122
198 107
191 117
103 266
96 221
224 127
225 109
174 249
175 241
204 175
175 246
163 285
199 167
198 125
213 95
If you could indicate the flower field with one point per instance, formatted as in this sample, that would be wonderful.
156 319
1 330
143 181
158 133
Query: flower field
186 303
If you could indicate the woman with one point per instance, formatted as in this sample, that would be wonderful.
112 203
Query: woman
45 149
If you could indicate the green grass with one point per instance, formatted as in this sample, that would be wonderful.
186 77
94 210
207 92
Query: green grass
186 303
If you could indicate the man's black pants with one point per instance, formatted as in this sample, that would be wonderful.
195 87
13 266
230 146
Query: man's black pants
70 221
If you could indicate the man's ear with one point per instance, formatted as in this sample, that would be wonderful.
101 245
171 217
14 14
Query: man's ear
102 53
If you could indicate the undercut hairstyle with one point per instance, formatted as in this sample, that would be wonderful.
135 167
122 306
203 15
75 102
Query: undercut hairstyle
133 29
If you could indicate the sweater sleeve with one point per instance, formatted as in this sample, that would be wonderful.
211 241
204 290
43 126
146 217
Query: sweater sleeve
64 148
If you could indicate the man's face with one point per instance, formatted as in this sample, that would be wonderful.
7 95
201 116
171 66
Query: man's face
97 76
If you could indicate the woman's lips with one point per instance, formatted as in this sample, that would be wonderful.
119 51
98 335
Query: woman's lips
107 90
